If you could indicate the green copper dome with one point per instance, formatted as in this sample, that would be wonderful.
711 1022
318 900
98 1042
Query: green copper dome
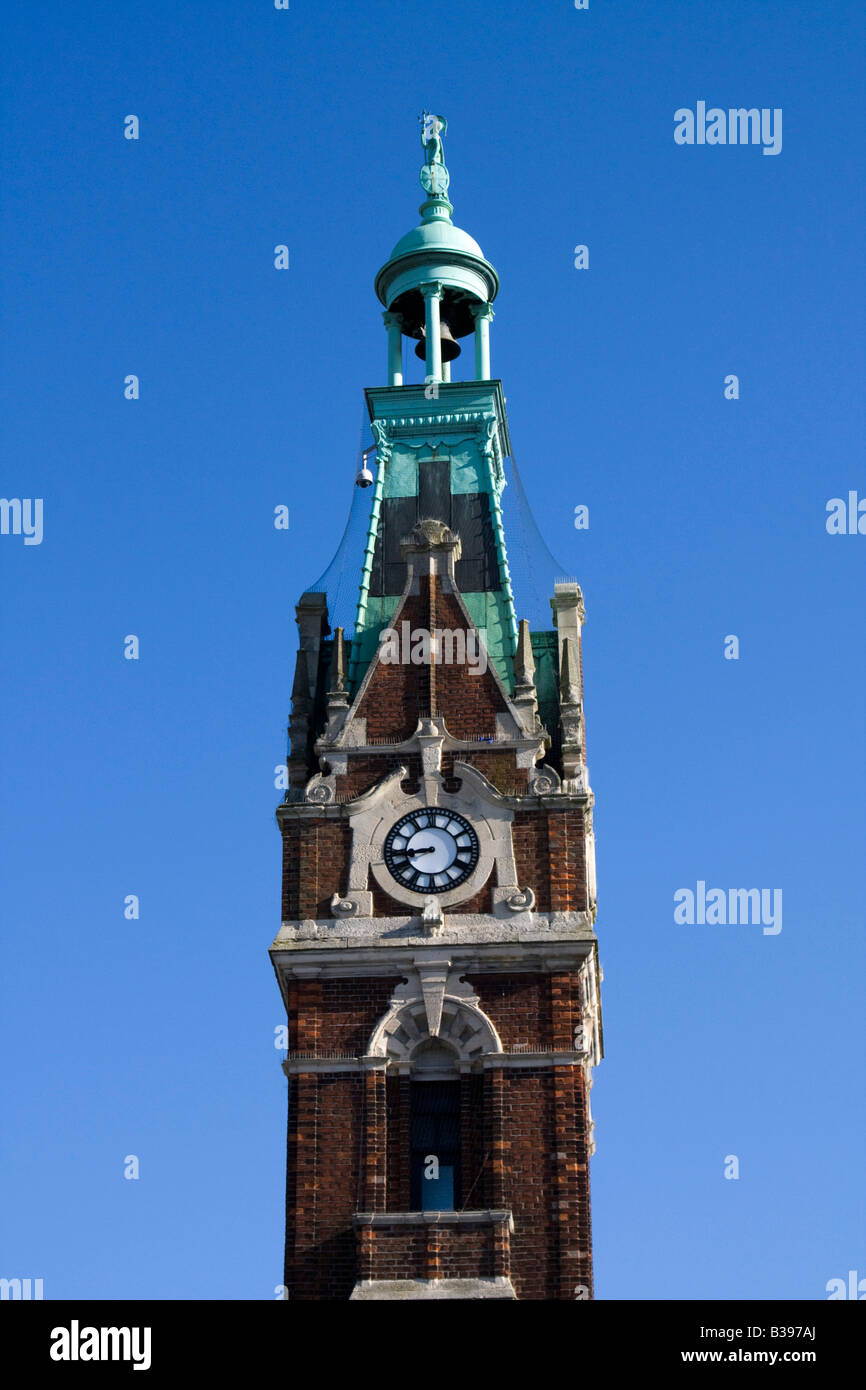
441 235
436 253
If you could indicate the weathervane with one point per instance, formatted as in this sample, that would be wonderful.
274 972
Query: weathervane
434 176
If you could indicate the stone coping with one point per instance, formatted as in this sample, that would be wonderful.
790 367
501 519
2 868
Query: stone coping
490 1217
373 1290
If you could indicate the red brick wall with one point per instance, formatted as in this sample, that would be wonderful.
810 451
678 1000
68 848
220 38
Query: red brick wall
399 693
474 1159
519 1007
566 837
291 870
549 1196
549 851
524 1143
316 856
399 1135
532 855
324 1141
337 1015
498 765
464 1252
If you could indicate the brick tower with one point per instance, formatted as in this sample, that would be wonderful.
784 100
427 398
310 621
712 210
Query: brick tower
437 957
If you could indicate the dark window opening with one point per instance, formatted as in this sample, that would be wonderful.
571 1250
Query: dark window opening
435 1138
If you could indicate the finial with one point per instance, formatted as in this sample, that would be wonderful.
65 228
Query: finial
338 696
434 176
338 666
524 661
569 678
301 685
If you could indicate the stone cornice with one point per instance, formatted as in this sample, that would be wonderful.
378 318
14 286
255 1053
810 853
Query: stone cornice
524 950
507 1061
404 410
513 743
523 801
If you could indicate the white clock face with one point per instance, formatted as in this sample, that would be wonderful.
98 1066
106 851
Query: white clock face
435 178
431 850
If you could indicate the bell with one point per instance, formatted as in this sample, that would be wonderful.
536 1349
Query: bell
449 344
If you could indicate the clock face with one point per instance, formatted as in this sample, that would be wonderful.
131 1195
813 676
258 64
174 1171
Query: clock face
431 851
435 178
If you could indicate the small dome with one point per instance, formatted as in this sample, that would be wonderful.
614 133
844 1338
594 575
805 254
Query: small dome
439 234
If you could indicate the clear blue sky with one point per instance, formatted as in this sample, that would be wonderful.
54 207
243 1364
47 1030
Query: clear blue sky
707 518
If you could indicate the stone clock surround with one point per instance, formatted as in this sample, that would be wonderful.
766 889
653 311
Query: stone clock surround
374 813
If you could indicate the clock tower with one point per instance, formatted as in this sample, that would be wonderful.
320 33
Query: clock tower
437 957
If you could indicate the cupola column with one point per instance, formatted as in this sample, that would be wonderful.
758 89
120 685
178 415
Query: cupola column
432 295
483 314
394 325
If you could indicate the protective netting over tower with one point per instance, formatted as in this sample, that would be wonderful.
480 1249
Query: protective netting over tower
534 569
342 578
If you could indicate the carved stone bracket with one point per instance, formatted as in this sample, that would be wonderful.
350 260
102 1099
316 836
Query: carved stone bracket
544 780
321 789
521 900
343 907
432 918
508 902
578 785
383 444
355 903
433 976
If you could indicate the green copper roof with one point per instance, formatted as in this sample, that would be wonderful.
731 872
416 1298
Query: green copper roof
441 235
436 250
466 427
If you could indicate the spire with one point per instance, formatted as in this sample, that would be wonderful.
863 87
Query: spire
441 443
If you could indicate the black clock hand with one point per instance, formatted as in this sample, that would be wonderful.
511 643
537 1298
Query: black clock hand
431 849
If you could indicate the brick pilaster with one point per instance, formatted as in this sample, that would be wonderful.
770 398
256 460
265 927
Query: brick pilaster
566 842
375 1138
496 1143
